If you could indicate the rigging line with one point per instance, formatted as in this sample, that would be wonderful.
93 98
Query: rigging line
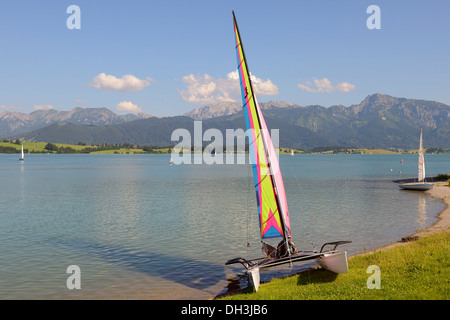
268 164
263 178
302 191
257 154
254 140
240 63
249 99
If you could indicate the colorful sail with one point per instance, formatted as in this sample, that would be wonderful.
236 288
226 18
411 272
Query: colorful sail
421 176
270 193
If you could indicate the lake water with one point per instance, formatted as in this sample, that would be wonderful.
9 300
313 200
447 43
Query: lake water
139 228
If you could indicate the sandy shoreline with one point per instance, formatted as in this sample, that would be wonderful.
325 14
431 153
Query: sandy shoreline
440 191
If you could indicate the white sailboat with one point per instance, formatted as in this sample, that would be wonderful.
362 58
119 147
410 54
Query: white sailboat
271 198
22 157
421 184
292 152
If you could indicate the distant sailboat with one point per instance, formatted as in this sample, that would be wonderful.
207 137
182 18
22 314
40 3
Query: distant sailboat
421 184
22 156
292 152
270 193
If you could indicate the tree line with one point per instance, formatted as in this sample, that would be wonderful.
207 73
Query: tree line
54 148
88 149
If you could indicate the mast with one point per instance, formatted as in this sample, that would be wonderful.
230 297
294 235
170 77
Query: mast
281 213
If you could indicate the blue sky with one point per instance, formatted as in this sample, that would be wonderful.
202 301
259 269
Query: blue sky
166 58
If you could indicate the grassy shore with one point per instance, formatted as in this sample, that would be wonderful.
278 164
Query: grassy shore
414 270
39 147
419 270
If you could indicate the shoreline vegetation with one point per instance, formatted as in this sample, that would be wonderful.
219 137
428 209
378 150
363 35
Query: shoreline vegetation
417 267
8 147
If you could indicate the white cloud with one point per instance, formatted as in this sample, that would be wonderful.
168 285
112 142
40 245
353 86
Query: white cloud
207 89
10 108
42 107
263 88
128 106
128 82
345 87
324 86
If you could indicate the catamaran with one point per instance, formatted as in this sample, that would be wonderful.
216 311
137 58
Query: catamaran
270 193
421 184
22 156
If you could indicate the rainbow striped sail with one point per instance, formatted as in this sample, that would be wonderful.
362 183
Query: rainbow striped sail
270 193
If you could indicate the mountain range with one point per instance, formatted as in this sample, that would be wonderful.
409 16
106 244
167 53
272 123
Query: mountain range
16 123
379 121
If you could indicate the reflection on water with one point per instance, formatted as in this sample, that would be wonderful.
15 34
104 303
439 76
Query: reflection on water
421 210
139 228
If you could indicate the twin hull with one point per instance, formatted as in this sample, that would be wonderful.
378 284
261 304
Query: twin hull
333 261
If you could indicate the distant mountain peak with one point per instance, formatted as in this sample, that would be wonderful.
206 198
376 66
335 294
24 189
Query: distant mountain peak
214 110
379 98
13 123
219 109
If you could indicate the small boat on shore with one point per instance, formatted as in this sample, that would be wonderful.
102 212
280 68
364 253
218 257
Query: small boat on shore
270 193
420 184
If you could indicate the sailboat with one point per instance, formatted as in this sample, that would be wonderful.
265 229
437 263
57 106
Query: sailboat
292 152
270 193
421 184
22 156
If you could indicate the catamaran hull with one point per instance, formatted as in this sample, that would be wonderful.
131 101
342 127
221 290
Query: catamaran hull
417 186
254 277
335 262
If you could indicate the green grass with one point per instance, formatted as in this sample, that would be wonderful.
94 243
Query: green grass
418 270
38 147
32 146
